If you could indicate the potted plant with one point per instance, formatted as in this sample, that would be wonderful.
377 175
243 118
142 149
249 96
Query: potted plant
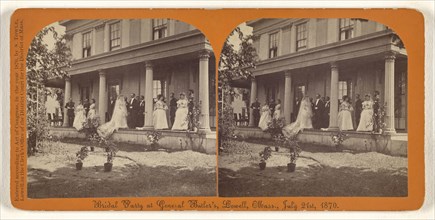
338 139
153 138
111 154
275 129
81 155
264 155
295 150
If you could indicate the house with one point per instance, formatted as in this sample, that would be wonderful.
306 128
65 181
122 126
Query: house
332 57
146 57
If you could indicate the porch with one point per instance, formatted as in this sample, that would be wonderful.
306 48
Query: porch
204 142
391 144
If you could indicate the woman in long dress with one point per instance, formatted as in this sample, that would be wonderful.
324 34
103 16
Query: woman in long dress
118 120
159 114
181 122
366 121
304 119
92 112
80 117
265 117
277 112
345 116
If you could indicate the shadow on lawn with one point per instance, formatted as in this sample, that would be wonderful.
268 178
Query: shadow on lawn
312 181
128 181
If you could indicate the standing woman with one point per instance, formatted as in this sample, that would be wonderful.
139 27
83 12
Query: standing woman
181 120
159 115
80 117
345 116
277 112
366 121
265 117
92 114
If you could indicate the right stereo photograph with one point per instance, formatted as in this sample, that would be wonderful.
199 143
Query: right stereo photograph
313 107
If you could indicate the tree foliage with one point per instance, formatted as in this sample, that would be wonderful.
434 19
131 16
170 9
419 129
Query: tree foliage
234 64
43 64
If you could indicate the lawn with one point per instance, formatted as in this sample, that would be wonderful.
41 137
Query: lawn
136 172
320 171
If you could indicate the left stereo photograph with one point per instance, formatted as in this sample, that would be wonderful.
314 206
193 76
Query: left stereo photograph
121 108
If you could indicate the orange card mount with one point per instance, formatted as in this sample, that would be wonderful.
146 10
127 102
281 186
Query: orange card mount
119 109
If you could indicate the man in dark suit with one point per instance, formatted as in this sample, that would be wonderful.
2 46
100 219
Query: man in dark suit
133 108
358 108
86 106
272 107
70 112
255 106
191 106
110 109
376 111
318 107
296 107
326 112
141 112
172 107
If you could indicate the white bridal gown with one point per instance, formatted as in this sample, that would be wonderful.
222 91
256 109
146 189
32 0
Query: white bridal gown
159 116
345 117
265 118
304 120
80 118
119 119
180 122
277 112
366 121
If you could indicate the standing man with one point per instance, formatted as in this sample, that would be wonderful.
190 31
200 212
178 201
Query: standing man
172 107
376 111
255 106
110 109
318 112
133 108
70 112
191 106
296 107
86 106
326 112
272 107
141 112
358 109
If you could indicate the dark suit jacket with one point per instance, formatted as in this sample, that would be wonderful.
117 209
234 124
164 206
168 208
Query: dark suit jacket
141 107
318 107
255 108
173 106
133 106
69 108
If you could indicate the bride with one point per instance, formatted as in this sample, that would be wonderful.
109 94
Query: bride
119 119
302 121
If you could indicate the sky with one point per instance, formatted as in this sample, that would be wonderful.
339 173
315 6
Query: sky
246 31
48 39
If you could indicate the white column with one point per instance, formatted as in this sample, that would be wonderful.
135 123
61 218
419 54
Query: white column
106 40
252 100
204 91
148 95
102 96
66 100
288 102
333 114
389 93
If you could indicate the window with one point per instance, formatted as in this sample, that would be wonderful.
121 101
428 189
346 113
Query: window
273 45
301 37
160 28
87 44
115 36
300 92
344 88
159 87
346 28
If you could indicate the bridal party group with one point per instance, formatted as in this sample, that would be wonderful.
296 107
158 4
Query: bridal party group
126 112
360 115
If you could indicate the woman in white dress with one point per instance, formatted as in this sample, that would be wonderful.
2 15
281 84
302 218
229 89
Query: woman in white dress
304 119
80 117
118 120
159 115
265 117
345 116
277 112
366 121
181 122
92 112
